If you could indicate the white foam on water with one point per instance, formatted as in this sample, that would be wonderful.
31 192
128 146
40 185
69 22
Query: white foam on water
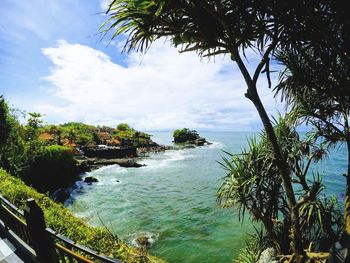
216 145
165 159
107 175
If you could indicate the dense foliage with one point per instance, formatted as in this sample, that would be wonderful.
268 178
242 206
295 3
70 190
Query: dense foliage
130 137
80 134
52 168
316 84
253 185
185 135
13 151
60 219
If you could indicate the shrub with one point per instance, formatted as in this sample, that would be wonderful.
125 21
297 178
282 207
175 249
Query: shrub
53 168
123 127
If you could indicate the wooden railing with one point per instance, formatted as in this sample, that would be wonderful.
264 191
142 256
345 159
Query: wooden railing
28 232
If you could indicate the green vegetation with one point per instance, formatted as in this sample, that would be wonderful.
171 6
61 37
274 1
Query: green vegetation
80 134
130 137
60 219
185 135
253 185
312 32
52 168
13 152
255 244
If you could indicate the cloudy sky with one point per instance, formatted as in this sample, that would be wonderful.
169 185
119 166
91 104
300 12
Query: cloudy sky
53 61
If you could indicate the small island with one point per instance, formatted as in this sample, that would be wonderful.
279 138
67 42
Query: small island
187 136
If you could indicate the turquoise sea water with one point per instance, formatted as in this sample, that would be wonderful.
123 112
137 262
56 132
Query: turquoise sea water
172 200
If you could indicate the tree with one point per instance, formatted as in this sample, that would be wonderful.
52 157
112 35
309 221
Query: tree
316 84
225 27
123 127
12 151
31 134
71 135
5 126
253 185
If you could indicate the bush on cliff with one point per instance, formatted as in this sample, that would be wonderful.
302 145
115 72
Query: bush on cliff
53 168
130 137
60 219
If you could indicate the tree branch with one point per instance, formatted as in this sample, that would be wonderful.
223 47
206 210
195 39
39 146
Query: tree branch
264 60
311 195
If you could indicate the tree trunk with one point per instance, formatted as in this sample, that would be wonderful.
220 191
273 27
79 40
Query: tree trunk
296 244
347 206
252 94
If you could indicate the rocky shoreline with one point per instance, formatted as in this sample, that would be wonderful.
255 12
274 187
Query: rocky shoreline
88 164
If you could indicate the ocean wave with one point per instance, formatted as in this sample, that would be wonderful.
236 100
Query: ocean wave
216 145
168 158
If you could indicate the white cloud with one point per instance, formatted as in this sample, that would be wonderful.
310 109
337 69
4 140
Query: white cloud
160 90
104 4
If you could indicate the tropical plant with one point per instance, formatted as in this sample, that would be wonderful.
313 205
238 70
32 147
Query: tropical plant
254 245
123 127
253 185
13 156
315 83
130 137
30 135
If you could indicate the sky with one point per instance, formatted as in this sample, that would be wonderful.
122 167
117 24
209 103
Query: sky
54 61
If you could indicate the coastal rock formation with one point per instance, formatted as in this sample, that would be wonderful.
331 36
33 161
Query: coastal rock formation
95 163
61 194
90 180
199 141
190 137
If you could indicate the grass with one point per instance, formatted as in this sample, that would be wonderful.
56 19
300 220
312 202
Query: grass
63 221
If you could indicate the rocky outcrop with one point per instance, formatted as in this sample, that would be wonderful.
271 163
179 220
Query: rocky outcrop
199 141
110 152
90 180
95 163
61 195
129 163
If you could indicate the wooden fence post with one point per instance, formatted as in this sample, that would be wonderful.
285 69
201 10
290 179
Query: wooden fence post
41 241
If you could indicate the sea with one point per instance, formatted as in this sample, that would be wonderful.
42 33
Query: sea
172 200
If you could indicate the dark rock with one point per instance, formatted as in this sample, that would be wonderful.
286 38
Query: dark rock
61 195
90 180
84 166
199 141
188 146
130 163
143 241
117 181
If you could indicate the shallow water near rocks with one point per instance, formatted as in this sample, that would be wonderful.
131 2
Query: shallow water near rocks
172 200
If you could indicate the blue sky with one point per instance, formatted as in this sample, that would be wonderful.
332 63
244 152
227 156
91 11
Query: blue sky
53 61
